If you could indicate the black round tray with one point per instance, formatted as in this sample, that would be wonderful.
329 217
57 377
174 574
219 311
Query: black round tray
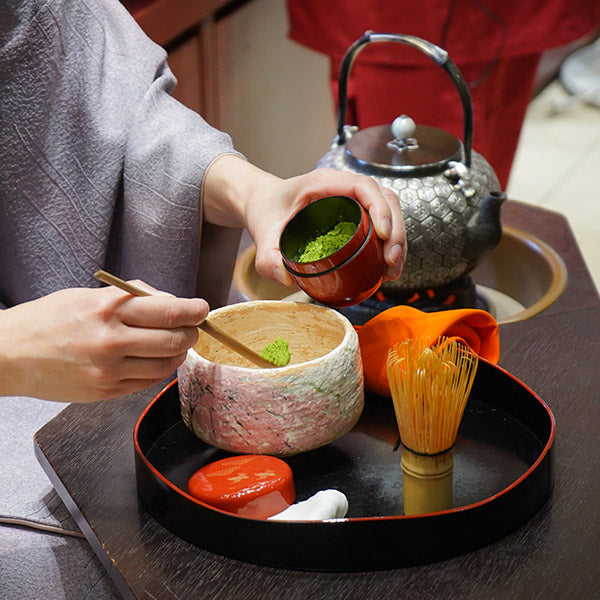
502 476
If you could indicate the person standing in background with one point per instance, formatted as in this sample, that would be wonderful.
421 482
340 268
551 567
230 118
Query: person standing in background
497 46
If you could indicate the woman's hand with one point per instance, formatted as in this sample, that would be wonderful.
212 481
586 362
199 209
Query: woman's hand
85 345
237 193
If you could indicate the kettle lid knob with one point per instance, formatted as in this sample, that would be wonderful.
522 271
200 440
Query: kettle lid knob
403 127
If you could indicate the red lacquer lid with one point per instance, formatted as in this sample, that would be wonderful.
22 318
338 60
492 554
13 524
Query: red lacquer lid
254 486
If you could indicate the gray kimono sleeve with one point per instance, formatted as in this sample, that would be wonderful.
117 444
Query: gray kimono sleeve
101 167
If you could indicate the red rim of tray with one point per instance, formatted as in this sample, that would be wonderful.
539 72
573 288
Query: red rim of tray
356 542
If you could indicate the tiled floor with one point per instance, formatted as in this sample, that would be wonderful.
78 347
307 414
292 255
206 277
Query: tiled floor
558 166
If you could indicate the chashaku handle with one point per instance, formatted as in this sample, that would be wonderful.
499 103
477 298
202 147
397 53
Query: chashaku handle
205 326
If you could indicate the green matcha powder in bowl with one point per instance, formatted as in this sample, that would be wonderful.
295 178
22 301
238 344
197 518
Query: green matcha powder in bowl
277 352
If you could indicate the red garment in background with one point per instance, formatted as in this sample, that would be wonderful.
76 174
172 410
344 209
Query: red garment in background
496 44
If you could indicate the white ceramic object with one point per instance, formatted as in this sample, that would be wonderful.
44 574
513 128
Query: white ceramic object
317 397
323 506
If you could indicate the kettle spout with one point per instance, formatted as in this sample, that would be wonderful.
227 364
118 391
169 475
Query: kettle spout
489 211
485 230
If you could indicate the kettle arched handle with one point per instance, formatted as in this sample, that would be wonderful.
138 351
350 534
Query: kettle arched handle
439 55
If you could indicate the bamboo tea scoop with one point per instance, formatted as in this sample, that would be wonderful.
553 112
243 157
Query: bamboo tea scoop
205 326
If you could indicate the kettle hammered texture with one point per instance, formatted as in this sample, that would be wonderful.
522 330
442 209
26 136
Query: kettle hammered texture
447 233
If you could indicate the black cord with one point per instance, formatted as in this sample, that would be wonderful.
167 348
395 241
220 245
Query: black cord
499 50
446 24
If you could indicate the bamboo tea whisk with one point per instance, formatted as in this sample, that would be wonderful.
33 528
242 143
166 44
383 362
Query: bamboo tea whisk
430 387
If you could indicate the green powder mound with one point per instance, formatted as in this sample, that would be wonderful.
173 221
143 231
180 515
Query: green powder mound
328 243
277 352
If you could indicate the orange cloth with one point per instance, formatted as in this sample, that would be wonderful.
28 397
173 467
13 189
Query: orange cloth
476 328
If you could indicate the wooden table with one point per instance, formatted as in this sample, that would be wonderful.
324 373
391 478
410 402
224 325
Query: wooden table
88 453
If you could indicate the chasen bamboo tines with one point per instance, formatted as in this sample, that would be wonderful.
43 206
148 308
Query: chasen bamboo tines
430 387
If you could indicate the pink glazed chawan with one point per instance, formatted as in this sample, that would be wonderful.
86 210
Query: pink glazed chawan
233 405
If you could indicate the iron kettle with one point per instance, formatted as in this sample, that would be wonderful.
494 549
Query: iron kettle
449 195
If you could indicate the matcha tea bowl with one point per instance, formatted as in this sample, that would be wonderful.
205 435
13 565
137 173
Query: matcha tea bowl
332 251
314 399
